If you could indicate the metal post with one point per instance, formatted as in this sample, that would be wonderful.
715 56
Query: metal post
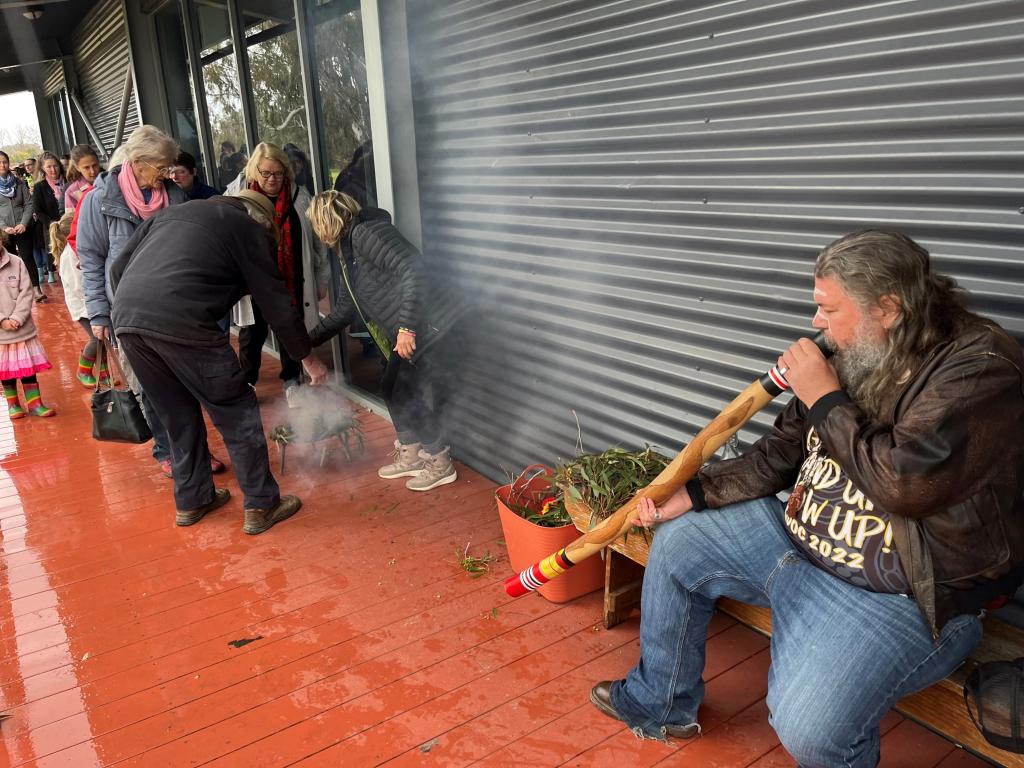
88 124
122 116
210 159
374 51
244 75
310 91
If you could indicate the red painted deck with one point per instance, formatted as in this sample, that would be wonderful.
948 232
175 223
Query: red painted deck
370 645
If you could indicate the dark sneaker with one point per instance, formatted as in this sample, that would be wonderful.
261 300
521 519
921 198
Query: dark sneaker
193 516
601 697
260 520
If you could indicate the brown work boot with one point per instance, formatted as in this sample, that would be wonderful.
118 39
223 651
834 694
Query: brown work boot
259 520
193 516
601 697
407 462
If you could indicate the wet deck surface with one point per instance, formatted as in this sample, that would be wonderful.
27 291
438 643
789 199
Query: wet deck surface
346 636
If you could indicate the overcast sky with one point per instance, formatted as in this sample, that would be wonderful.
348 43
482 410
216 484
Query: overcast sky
19 109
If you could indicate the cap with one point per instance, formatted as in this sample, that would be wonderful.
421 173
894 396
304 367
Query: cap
261 201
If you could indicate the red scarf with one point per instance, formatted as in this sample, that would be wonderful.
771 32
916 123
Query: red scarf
285 253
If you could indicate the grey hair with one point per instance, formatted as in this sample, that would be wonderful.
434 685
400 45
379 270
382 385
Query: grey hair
872 265
148 143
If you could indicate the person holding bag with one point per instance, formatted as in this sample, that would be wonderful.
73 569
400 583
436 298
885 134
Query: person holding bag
116 414
121 200
21 354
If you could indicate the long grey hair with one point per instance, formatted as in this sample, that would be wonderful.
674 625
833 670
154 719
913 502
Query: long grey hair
872 264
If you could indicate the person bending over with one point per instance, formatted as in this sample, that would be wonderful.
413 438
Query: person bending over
385 284
168 302
905 521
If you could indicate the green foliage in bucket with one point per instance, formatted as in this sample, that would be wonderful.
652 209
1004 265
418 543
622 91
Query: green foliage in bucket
605 481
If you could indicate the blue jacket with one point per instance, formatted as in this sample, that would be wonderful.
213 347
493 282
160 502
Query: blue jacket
105 224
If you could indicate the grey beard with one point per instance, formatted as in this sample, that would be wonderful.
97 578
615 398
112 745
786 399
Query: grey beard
857 365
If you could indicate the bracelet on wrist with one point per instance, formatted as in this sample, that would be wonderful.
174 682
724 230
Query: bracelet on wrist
407 330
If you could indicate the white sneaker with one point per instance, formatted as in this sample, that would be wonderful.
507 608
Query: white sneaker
437 470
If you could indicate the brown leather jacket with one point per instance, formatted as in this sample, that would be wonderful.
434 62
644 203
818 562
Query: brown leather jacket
950 470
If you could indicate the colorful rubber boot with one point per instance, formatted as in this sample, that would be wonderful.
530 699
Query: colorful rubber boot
14 409
34 403
85 371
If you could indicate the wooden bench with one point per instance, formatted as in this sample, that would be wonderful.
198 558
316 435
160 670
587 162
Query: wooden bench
939 708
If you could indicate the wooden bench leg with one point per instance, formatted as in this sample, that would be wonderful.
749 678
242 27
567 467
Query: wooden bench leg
623 582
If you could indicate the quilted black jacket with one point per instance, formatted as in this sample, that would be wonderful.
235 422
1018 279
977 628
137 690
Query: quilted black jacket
391 282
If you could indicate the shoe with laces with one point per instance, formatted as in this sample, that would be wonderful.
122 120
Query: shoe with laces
260 520
437 470
193 516
406 462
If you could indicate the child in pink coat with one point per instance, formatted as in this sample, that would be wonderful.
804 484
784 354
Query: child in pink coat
21 354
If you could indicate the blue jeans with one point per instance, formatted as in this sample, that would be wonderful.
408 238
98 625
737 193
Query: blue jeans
161 441
841 655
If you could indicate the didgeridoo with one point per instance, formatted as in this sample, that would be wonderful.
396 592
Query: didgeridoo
683 467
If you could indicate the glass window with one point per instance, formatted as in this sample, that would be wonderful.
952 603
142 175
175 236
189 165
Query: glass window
278 97
177 84
336 28
341 75
223 95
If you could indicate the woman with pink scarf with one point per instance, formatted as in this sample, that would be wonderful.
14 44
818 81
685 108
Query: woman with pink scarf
121 199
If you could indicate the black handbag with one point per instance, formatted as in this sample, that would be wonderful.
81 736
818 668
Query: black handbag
116 413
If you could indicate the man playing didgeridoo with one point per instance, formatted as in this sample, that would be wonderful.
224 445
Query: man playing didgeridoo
906 519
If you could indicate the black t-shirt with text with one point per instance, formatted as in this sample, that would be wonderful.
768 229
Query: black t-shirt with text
840 530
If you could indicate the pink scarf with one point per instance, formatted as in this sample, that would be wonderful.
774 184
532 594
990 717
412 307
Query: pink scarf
133 195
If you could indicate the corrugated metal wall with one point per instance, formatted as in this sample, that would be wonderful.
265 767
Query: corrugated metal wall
54 79
637 190
102 61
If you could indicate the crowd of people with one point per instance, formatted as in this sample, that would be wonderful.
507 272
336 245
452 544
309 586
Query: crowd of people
154 262
903 525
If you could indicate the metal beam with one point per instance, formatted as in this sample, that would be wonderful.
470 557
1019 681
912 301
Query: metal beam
374 53
126 97
203 132
244 74
310 91
88 124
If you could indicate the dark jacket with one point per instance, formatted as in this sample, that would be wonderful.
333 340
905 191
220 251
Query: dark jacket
105 224
201 191
183 270
45 204
391 282
950 471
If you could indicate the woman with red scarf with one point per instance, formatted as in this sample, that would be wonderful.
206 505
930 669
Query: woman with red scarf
300 257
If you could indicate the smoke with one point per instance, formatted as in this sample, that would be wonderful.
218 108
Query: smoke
319 413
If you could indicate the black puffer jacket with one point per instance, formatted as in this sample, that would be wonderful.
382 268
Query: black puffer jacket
391 282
